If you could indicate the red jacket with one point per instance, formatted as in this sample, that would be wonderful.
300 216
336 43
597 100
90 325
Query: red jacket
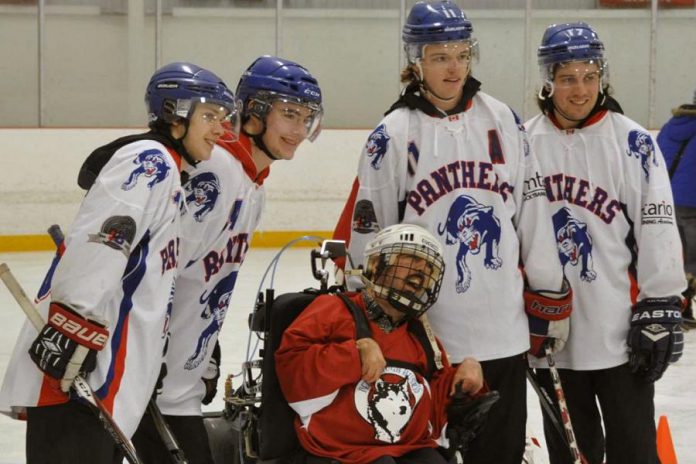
344 418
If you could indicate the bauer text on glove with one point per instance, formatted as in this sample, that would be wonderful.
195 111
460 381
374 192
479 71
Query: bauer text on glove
55 350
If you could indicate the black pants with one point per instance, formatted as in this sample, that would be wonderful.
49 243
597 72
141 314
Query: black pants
189 431
421 456
68 433
502 438
686 222
627 410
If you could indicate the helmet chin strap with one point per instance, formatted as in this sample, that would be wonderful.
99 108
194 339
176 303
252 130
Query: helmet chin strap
425 88
258 140
179 145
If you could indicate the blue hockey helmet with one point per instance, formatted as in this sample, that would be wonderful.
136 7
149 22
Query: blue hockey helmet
269 79
437 22
563 43
174 90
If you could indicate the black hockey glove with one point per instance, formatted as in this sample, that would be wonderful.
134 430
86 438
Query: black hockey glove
211 375
466 416
655 338
54 349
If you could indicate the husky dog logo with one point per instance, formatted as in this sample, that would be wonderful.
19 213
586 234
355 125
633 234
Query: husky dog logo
215 309
202 192
641 146
151 164
388 404
376 146
474 226
574 243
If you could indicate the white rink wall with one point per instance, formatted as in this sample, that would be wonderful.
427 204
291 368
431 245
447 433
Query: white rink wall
40 166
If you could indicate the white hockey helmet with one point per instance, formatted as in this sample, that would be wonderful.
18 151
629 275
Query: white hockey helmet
412 293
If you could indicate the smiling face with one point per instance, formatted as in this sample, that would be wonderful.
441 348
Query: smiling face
204 129
287 126
576 90
445 69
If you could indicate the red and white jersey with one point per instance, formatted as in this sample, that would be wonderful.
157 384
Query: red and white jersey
468 179
339 415
118 267
615 229
224 202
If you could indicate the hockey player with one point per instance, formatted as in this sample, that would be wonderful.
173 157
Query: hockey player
110 290
224 201
455 161
618 242
363 386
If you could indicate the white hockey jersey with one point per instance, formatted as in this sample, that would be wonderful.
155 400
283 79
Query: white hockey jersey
615 229
468 179
118 267
225 199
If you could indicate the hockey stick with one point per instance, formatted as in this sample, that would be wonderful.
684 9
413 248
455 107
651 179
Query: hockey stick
578 457
175 452
80 386
547 404
165 433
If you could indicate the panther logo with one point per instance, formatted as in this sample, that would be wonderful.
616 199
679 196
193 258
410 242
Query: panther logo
215 309
474 226
641 146
376 146
574 243
202 192
151 164
388 404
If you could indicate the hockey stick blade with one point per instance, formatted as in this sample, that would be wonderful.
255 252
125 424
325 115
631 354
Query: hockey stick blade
80 386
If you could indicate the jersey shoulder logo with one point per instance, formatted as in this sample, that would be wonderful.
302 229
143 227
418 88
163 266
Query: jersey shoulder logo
376 146
151 164
389 403
574 243
640 146
365 218
202 192
473 226
117 232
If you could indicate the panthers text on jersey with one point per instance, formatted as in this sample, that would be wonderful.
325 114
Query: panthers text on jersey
615 229
118 267
468 179
224 202
343 417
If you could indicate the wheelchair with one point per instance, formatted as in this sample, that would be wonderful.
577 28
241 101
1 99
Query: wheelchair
256 424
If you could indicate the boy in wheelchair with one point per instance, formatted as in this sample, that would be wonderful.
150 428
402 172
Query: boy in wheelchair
365 377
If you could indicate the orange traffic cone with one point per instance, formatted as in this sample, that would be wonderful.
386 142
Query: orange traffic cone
665 447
